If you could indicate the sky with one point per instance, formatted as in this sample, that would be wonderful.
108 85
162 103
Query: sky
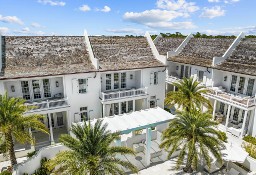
126 17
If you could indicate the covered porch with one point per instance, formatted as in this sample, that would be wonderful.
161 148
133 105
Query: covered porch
142 132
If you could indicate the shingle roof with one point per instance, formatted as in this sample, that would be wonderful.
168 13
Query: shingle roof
27 56
200 51
242 59
120 53
164 45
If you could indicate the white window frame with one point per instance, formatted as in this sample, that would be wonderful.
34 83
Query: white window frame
108 82
82 85
84 111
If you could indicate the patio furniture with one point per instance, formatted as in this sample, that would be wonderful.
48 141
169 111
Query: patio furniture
232 171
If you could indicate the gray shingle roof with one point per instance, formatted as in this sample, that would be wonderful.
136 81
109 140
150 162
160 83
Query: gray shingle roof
242 59
200 51
164 45
27 56
120 53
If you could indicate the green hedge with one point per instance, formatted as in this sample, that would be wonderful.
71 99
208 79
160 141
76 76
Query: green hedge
250 139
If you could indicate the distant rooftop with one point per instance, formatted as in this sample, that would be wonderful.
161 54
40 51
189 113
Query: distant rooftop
200 51
243 58
117 52
28 56
167 44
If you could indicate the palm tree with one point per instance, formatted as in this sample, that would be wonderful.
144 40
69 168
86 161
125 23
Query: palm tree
188 95
15 126
91 152
194 133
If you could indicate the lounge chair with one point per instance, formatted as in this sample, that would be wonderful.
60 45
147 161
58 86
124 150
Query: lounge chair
232 171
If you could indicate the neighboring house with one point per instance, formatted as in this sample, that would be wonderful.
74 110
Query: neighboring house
224 65
75 78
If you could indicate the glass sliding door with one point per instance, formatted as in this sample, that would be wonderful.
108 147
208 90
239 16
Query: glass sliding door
233 83
116 81
60 119
250 87
25 90
116 109
46 86
123 80
241 85
36 89
182 71
108 81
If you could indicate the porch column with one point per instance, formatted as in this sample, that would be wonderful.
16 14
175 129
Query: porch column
133 105
214 109
244 122
51 131
103 110
119 108
148 145
174 88
32 146
227 117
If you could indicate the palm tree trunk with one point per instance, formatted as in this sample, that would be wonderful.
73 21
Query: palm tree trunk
10 147
188 167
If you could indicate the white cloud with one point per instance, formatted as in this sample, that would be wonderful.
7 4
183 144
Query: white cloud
52 3
249 30
230 1
213 0
11 19
127 31
106 9
84 8
213 12
179 5
36 25
4 30
27 31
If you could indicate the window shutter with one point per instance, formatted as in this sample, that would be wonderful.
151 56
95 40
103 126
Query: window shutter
75 86
77 117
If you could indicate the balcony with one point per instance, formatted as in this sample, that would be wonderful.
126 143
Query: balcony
49 104
238 100
107 96
171 79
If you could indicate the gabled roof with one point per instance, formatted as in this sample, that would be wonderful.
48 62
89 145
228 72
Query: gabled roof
242 59
167 44
120 53
200 51
28 56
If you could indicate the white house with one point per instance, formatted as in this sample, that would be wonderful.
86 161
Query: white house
224 65
76 78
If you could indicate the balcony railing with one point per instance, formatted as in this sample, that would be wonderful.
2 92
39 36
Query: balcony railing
234 99
44 105
105 96
171 79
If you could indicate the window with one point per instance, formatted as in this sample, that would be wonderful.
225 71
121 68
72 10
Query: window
250 87
123 80
123 107
235 115
46 85
130 106
108 81
36 89
116 81
116 109
187 71
182 71
241 85
200 75
155 78
233 83
25 90
60 120
82 85
222 106
84 114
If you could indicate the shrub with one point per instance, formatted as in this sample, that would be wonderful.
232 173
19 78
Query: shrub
6 172
224 137
31 154
250 148
250 139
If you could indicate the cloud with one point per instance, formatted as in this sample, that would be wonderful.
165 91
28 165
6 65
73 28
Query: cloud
225 1
27 31
52 3
213 0
11 19
4 30
36 25
84 8
248 30
106 9
127 31
213 12
162 17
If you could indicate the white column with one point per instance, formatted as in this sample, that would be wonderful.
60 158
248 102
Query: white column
174 88
244 122
214 109
119 107
133 105
103 110
148 146
51 131
227 117
32 145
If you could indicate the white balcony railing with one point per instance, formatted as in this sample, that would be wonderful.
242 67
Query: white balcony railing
234 99
123 94
171 79
44 105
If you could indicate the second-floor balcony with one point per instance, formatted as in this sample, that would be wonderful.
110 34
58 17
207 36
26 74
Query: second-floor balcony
239 100
107 96
47 105
171 79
